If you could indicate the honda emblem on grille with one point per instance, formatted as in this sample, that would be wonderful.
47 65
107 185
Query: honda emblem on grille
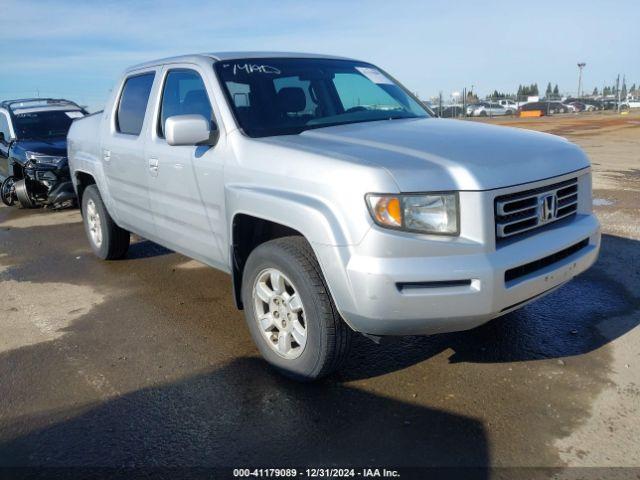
548 208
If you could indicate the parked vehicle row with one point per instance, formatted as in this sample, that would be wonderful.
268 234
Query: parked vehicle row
332 198
34 170
503 107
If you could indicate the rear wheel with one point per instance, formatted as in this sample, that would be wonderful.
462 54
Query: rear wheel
8 191
108 241
290 312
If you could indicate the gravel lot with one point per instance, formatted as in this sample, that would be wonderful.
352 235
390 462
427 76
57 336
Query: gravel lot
146 362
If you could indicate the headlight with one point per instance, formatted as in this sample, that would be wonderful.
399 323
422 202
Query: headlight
435 213
45 159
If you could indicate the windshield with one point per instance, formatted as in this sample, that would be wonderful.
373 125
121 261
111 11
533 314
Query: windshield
289 95
47 124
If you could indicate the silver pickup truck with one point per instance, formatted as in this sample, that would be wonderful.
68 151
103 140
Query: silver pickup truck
332 198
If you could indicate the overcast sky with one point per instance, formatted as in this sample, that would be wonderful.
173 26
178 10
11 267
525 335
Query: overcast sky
76 49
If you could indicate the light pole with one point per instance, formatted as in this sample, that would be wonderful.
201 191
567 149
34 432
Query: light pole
581 65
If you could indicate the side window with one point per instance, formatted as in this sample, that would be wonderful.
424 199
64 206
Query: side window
133 103
184 93
4 126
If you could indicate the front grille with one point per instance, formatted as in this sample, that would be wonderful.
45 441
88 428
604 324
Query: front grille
522 211
531 267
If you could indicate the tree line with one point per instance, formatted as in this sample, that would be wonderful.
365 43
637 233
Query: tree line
554 92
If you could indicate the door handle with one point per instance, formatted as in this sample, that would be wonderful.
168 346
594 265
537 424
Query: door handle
153 166
106 155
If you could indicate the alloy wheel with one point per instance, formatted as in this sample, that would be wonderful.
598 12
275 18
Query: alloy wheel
280 313
94 223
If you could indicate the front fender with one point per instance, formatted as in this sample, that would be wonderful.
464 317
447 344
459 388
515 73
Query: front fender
309 215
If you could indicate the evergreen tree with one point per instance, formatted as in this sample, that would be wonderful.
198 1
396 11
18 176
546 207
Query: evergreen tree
623 91
556 91
595 92
548 91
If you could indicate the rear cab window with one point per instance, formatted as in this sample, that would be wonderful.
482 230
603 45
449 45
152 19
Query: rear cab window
133 103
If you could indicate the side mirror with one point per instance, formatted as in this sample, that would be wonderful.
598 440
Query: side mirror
189 130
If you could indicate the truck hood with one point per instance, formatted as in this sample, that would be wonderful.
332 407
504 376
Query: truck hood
52 146
439 154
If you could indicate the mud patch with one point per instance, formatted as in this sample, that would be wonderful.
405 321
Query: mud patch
3 267
14 218
35 313
190 265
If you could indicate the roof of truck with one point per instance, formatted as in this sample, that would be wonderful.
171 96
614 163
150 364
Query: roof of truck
217 56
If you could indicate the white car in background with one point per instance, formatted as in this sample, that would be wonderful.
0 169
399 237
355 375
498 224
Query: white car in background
509 105
487 109
633 103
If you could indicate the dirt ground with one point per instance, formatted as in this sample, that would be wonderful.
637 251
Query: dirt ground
146 362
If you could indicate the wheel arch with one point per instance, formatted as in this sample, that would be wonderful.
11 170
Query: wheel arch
247 233
82 180
258 214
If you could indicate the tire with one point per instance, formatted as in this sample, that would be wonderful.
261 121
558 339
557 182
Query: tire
108 241
327 337
483 114
7 190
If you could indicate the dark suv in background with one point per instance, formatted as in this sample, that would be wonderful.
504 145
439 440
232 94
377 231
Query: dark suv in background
547 108
33 151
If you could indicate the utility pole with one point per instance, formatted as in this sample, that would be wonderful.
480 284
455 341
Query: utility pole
464 102
581 65
618 92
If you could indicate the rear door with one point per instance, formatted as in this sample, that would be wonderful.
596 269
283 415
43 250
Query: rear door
123 153
187 218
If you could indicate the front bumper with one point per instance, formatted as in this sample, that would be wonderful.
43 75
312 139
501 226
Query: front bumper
390 285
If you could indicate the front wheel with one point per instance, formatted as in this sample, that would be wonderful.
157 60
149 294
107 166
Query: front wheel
8 191
290 312
108 241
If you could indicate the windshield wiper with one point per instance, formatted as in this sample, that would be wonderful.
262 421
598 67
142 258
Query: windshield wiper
400 117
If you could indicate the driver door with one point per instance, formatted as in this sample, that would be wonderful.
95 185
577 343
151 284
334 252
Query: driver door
185 181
